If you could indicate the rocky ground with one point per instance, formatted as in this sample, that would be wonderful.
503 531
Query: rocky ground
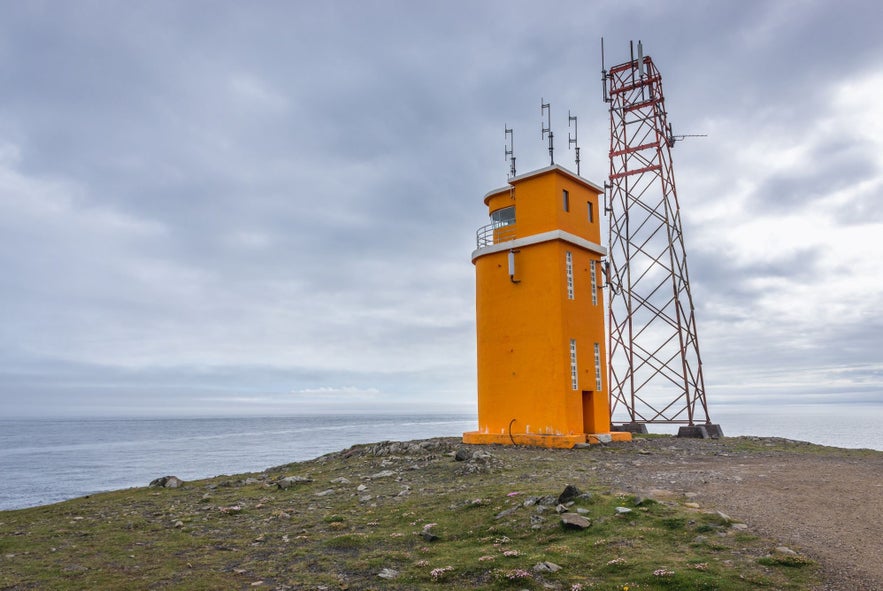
826 502
657 513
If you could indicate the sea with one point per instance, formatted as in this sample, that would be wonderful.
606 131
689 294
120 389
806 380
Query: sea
47 460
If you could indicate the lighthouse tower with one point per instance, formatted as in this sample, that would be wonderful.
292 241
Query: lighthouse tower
542 371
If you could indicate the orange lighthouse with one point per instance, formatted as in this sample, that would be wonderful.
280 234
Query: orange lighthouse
542 371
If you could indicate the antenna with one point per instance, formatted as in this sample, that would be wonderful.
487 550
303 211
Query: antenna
603 75
672 138
510 149
547 128
572 141
640 59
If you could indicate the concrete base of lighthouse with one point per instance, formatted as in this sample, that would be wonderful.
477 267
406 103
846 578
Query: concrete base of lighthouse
540 440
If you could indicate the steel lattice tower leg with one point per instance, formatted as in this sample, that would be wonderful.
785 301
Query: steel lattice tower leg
655 370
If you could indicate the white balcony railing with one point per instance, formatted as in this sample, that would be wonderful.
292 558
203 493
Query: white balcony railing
494 234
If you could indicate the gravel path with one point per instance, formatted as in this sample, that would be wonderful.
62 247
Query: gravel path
827 505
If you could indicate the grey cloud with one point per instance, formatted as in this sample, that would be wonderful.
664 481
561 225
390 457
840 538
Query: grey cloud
203 202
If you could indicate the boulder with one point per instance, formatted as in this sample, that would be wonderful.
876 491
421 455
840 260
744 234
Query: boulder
166 482
569 493
574 521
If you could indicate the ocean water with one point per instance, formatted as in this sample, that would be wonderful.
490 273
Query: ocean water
44 461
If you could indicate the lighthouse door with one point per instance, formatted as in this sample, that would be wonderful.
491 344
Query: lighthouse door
589 416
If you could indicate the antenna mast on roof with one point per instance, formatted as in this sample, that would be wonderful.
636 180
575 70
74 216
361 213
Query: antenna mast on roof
572 141
510 149
547 128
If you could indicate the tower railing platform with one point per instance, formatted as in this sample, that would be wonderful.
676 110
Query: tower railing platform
494 234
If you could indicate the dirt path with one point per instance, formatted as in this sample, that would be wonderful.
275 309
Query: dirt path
828 505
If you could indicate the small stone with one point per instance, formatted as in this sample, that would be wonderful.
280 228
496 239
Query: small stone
290 481
340 480
622 510
325 493
785 550
251 480
428 536
506 513
561 509
546 567
530 501
361 488
461 455
179 524
692 505
739 526
582 511
574 521
383 474
724 516
388 573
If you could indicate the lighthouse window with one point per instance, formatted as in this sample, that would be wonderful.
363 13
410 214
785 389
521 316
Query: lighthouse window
591 207
594 278
573 374
597 367
503 217
568 264
565 200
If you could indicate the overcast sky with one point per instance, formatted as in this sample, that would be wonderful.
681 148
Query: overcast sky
268 207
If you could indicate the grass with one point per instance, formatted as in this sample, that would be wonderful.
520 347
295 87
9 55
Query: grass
490 532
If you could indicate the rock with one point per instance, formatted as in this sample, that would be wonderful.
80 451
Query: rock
724 516
506 513
388 573
546 567
530 501
582 511
574 521
622 510
547 501
461 455
325 493
231 510
166 482
785 550
361 488
179 524
290 481
536 521
382 474
251 480
739 526
427 534
692 505
560 509
569 493
341 480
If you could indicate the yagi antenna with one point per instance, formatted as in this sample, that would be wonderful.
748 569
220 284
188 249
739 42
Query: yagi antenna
510 149
672 138
547 128
572 141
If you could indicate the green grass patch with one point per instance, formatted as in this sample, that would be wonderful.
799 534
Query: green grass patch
433 523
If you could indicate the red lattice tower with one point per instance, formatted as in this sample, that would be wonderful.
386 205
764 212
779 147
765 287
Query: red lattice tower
655 370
